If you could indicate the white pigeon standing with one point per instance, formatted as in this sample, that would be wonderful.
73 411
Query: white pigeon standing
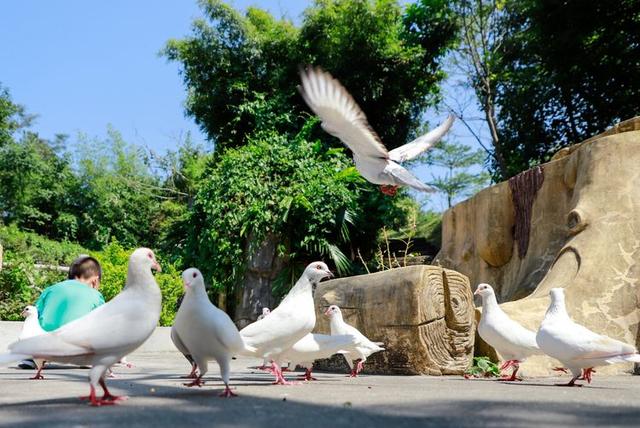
293 319
342 117
361 349
314 347
206 332
106 334
31 328
577 347
512 341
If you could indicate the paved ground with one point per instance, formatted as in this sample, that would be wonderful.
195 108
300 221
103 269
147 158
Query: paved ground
158 399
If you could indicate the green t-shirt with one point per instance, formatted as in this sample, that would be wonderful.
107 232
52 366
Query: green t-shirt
66 301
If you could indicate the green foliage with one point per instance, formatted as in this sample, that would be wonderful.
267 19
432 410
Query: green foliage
21 283
242 71
483 367
457 160
294 191
568 70
119 195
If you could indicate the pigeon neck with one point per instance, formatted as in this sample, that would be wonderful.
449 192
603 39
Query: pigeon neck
302 287
137 276
31 321
336 321
557 308
489 303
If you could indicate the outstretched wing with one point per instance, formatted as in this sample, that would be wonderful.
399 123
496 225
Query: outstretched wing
403 177
421 144
340 114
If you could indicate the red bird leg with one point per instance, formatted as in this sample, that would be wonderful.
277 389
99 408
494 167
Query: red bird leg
193 374
38 375
513 377
389 190
359 366
196 382
280 380
506 364
108 397
307 375
227 392
587 374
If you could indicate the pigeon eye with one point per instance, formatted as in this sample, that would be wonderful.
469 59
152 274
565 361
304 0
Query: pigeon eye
150 255
195 274
318 267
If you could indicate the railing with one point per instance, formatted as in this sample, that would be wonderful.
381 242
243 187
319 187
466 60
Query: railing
4 264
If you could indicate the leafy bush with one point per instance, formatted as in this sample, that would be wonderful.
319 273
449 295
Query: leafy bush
21 283
483 367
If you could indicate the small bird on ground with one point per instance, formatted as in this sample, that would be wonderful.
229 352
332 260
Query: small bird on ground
206 332
577 347
342 117
31 328
314 347
105 335
358 351
514 342
293 319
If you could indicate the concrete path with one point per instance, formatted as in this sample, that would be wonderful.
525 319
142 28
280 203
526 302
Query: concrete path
158 399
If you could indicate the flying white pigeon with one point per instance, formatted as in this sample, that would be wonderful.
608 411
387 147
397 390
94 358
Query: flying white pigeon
342 117
576 346
362 348
293 319
313 347
514 342
206 332
31 328
106 334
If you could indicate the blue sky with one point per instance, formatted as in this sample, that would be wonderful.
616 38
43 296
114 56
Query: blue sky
81 65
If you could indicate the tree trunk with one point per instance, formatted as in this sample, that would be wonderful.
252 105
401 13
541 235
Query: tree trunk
254 292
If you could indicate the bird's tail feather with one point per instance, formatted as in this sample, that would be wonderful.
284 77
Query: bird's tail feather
5 359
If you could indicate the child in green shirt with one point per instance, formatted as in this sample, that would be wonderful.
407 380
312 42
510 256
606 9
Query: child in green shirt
71 299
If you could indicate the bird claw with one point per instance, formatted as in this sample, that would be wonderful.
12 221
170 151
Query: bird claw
38 376
227 393
389 190
560 369
196 382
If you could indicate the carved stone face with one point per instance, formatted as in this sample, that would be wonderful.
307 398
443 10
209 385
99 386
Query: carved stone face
584 236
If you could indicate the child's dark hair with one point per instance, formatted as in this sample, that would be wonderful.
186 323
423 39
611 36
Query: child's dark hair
85 267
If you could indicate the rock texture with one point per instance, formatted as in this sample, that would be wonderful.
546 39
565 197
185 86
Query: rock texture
581 232
424 315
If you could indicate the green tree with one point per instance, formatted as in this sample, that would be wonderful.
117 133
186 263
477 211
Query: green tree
120 196
456 160
568 70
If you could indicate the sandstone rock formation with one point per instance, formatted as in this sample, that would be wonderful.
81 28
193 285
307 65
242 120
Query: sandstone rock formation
573 222
423 314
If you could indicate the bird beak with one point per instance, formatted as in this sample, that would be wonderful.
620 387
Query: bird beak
156 266
329 274
326 312
23 313
476 293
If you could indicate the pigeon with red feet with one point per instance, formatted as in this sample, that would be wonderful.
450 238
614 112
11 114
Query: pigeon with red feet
105 335
513 342
314 347
292 320
206 332
360 349
577 347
